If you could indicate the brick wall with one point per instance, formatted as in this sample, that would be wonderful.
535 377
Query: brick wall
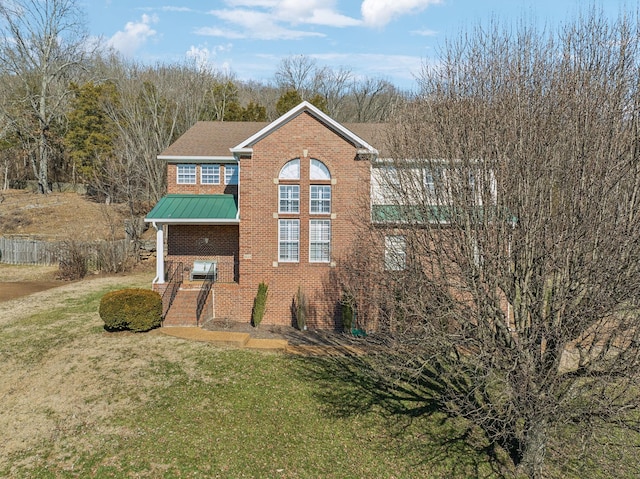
197 189
186 243
305 138
253 245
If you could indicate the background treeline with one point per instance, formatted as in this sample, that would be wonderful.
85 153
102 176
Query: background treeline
72 111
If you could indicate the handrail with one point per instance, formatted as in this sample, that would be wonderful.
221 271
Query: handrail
175 276
210 277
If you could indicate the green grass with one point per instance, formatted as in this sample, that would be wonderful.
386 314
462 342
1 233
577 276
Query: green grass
161 407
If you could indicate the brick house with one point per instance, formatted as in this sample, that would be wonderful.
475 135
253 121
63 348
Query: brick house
251 202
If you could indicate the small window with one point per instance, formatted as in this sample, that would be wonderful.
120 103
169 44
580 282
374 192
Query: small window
320 199
395 253
230 174
289 199
318 171
186 174
291 170
289 241
319 241
210 174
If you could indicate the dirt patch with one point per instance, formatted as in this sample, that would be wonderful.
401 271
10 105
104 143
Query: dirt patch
59 216
15 290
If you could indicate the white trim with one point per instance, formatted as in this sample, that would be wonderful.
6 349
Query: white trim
287 241
187 175
202 166
193 221
198 159
246 145
320 242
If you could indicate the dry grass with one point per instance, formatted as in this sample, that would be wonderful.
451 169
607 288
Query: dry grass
59 216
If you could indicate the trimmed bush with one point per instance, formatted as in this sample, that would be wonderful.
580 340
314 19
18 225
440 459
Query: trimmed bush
131 309
259 304
301 309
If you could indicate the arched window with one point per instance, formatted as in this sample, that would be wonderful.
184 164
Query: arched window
318 171
291 170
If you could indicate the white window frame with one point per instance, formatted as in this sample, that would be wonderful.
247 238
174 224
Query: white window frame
319 241
318 170
290 170
186 174
289 199
395 253
289 241
322 205
211 177
231 173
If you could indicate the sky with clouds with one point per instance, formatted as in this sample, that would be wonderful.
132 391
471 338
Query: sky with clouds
388 39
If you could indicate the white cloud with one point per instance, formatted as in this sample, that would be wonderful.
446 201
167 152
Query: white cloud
377 13
252 24
204 57
272 19
134 35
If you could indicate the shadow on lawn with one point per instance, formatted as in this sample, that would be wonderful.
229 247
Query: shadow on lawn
415 421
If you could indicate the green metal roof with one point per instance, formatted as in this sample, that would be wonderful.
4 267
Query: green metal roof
444 214
196 209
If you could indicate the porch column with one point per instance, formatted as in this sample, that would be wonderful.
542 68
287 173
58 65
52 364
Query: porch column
159 279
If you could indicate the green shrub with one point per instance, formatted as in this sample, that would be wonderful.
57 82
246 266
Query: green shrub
301 308
259 304
348 312
131 309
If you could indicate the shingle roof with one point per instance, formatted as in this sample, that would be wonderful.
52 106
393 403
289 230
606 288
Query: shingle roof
214 138
219 209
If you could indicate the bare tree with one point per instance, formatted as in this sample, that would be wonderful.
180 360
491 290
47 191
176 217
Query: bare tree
297 73
509 220
42 42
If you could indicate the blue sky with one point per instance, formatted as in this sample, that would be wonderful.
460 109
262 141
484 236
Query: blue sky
388 39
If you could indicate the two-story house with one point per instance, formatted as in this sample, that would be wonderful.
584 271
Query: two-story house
251 202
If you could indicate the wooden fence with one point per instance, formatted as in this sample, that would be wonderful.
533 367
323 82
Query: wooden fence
32 251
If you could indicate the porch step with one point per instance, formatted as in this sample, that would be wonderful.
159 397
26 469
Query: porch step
183 311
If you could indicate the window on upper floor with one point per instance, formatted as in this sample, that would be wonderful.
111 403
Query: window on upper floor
210 174
318 170
319 241
291 170
186 174
395 253
289 241
230 174
320 199
289 199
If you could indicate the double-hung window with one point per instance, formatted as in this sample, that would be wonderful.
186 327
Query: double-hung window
210 174
320 199
230 174
395 253
289 199
186 174
289 241
319 241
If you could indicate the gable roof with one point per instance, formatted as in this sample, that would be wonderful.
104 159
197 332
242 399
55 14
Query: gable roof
218 140
195 209
305 107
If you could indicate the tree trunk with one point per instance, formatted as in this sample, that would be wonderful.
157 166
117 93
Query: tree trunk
534 449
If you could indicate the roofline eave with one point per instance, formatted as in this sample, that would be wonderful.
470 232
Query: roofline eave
201 159
192 221
294 112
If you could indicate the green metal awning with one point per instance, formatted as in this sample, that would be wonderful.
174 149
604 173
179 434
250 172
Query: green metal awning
195 209
444 214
